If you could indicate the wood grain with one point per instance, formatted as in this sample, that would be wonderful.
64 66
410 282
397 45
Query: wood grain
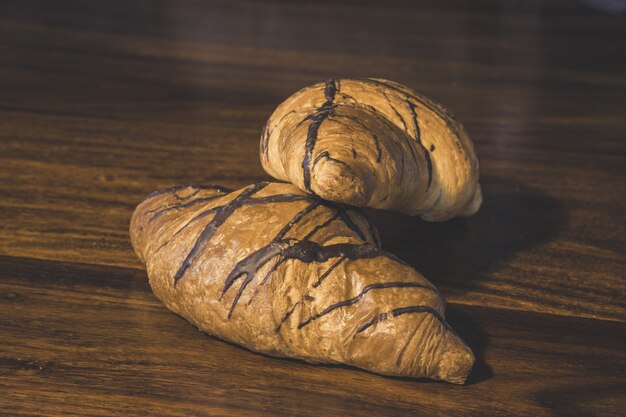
103 102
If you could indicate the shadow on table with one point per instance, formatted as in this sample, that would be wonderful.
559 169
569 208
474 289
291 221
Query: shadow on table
459 254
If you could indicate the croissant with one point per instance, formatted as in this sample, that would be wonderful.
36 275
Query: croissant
373 143
285 273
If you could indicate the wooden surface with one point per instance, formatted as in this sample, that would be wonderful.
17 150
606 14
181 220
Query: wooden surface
103 102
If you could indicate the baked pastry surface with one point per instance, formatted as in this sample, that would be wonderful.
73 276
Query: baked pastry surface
285 273
374 143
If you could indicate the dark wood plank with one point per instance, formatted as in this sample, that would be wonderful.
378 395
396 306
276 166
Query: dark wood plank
81 339
101 104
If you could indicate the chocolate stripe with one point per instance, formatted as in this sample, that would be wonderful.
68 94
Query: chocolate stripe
326 155
251 265
194 219
295 220
357 298
326 110
209 230
328 271
320 226
395 110
158 212
418 139
277 198
286 316
281 235
302 250
399 311
345 218
372 229
272 269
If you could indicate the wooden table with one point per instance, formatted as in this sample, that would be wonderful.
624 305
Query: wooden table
104 102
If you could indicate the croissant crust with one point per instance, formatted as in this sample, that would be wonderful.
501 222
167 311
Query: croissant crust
283 272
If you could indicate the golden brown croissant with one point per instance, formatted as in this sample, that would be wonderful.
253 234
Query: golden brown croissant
285 273
373 143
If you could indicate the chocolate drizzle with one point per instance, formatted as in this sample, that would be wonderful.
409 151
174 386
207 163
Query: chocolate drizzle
394 110
357 298
282 233
328 271
326 155
418 139
326 110
158 212
372 229
286 316
315 204
301 250
220 217
347 220
321 226
399 311
315 285
197 188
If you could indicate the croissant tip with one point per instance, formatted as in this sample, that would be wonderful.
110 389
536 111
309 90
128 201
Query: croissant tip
337 182
456 361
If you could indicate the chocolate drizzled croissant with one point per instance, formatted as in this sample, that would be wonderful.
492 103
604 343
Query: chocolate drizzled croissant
285 273
374 143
